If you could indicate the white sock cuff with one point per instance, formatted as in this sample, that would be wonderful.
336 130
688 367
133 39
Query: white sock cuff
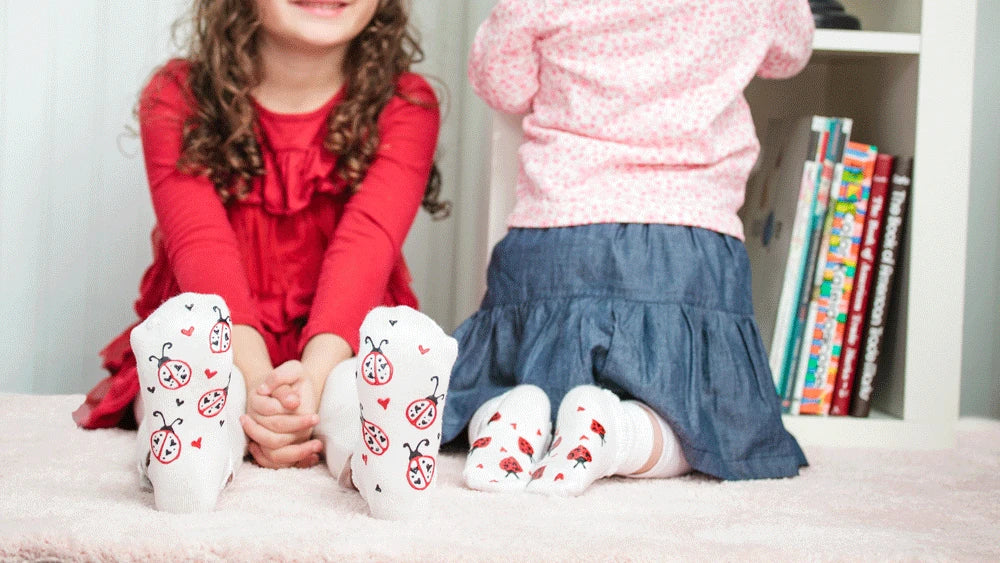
638 430
671 462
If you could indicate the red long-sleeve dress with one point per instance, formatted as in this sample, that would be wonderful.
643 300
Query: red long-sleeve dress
301 255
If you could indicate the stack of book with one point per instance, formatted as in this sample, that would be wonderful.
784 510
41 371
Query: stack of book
824 216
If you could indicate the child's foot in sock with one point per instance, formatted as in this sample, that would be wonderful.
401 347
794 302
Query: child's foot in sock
404 367
593 439
508 434
190 442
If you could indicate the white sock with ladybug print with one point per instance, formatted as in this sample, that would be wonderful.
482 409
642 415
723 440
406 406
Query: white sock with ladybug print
190 442
404 366
507 435
597 435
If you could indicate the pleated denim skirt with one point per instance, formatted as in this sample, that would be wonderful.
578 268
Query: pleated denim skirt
657 313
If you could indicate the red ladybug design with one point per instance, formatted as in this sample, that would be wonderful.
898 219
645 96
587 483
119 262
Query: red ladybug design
220 337
375 367
480 443
375 439
423 412
525 448
164 443
173 374
212 402
581 455
511 466
420 470
597 429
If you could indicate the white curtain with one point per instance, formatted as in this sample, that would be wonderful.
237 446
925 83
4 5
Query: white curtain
75 215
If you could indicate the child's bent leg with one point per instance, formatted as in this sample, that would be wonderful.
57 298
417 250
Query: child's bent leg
597 435
403 371
339 425
666 459
190 442
507 435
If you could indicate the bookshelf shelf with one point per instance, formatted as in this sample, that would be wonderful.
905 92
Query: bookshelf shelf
839 41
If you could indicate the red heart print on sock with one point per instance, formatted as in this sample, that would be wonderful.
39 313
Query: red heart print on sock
513 425
187 331
584 437
480 466
559 477
364 458
539 432
197 443
422 349
503 449
209 373
578 409
384 403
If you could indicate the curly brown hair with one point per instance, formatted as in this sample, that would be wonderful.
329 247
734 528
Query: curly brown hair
219 139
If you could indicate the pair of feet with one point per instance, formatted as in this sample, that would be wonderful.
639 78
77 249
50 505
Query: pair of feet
597 435
381 411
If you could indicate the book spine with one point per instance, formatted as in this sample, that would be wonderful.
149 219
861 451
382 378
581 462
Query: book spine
882 293
800 339
857 313
796 254
837 285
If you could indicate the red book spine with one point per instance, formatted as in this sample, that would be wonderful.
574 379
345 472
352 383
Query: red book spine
857 313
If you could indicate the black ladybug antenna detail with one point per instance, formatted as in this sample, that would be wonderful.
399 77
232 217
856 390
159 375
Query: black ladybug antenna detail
369 340
416 452
163 353
436 383
221 318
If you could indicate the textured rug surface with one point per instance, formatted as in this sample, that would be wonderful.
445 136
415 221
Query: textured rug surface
68 494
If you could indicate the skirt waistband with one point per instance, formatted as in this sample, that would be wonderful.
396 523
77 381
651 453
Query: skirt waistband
642 262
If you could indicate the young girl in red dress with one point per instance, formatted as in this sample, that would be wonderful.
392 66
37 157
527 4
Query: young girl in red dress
287 155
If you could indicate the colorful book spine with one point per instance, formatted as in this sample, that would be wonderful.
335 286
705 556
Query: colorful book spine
798 245
839 135
836 280
882 292
858 312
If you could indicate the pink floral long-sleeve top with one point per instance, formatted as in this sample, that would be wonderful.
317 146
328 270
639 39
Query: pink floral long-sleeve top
635 108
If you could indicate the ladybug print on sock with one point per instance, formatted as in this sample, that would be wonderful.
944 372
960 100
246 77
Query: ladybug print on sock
581 455
375 439
480 443
525 448
420 470
220 337
173 374
164 443
597 429
511 466
375 367
423 412
212 402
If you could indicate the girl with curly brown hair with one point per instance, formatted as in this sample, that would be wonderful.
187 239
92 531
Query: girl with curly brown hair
287 156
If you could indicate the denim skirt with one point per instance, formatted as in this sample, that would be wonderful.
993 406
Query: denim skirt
657 313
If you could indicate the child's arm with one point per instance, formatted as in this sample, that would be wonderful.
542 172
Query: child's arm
200 244
792 28
503 64
368 240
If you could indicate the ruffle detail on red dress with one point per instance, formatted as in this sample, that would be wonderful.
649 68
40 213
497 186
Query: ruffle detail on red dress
292 177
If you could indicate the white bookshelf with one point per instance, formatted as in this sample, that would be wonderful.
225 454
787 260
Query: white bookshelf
906 80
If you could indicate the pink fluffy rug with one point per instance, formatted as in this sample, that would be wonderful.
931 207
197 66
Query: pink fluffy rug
68 494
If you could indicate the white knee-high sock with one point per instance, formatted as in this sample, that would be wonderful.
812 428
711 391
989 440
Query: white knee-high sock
403 371
339 426
507 435
597 435
190 442
671 461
